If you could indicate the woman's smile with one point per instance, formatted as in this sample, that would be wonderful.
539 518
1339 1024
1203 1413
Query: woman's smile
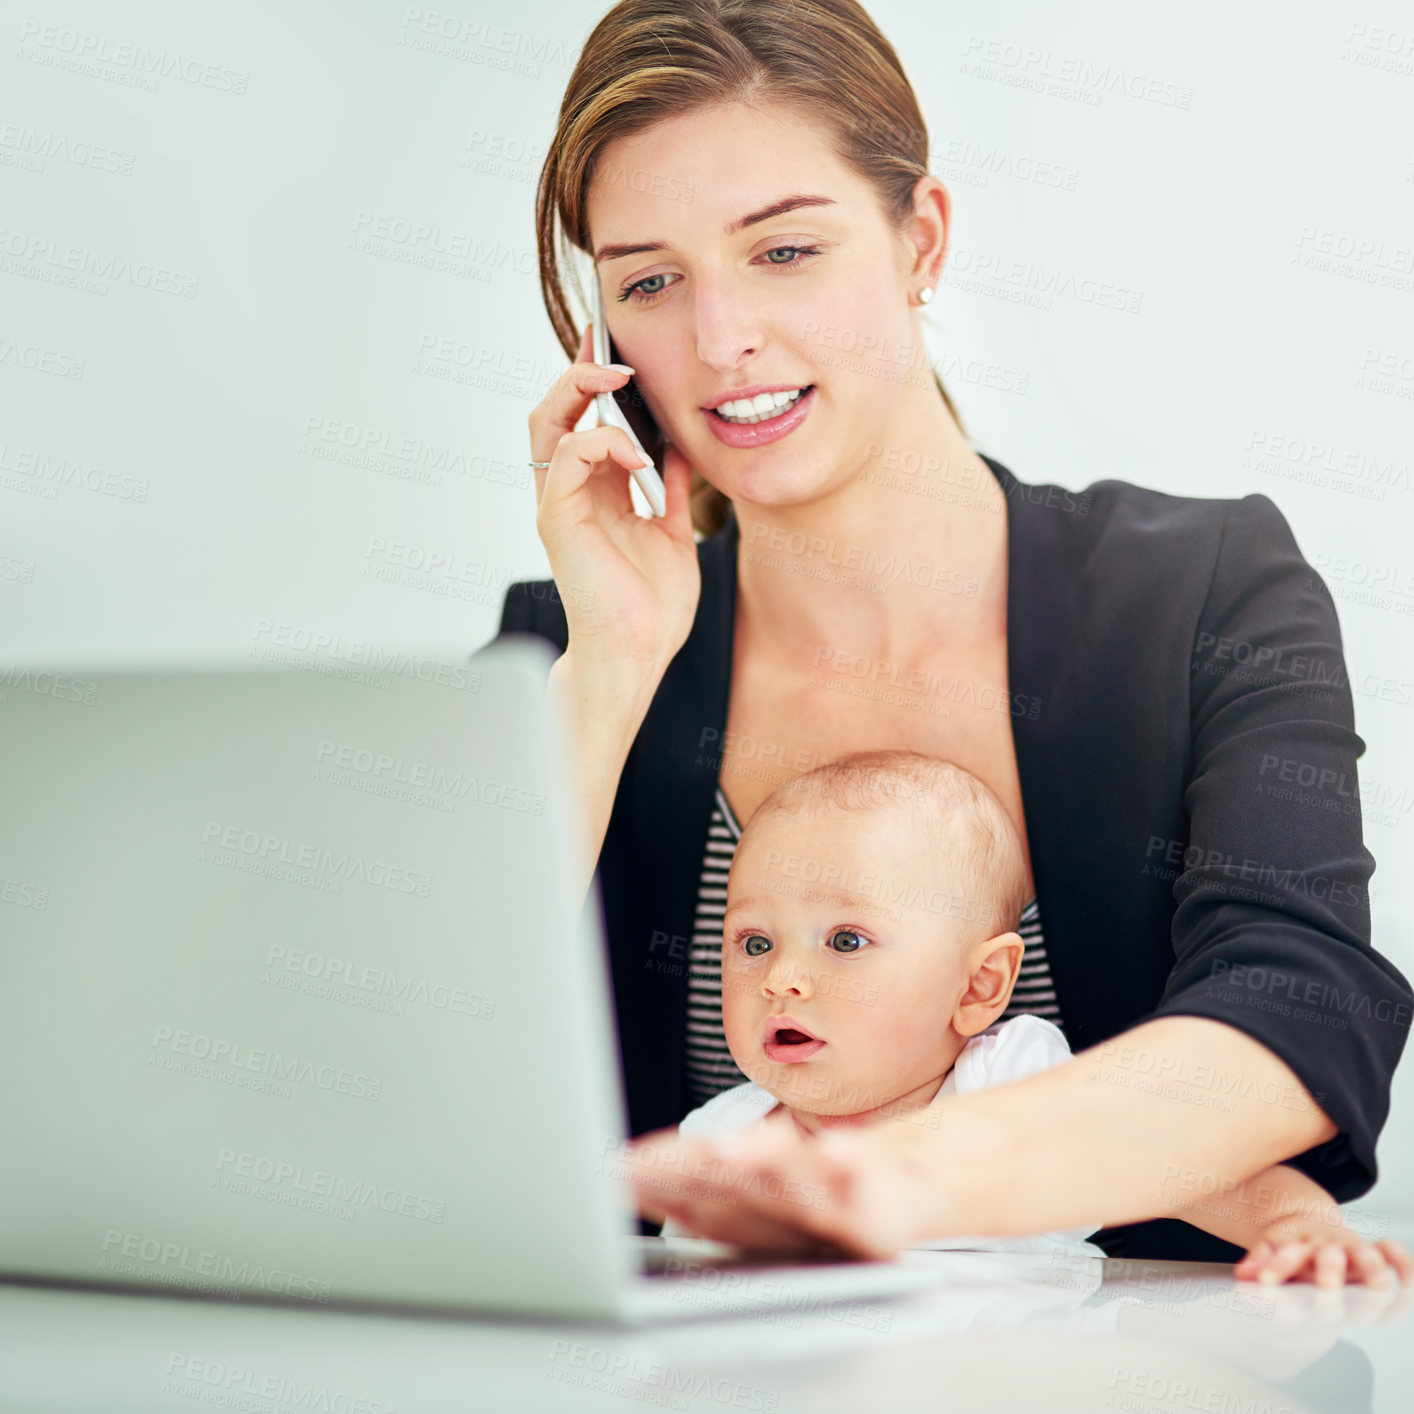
772 427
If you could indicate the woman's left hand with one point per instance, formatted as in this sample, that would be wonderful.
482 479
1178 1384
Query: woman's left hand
864 1191
1297 1249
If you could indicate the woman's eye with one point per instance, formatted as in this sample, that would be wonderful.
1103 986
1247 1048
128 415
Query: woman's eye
755 945
847 940
640 295
805 250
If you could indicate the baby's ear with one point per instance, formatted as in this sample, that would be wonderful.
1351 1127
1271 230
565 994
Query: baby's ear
994 964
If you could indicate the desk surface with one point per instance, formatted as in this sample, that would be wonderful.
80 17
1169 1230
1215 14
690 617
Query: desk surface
998 1332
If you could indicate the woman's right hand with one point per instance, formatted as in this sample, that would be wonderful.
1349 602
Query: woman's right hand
629 584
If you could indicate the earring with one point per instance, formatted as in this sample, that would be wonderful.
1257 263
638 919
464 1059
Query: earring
924 295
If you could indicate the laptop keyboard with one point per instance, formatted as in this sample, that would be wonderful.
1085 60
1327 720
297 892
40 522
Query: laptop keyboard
660 1258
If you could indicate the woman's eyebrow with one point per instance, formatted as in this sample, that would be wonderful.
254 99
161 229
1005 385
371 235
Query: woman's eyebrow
776 208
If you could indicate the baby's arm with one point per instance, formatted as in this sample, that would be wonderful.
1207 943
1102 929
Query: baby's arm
1288 1224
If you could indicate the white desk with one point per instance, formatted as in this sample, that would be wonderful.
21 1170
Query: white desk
998 1333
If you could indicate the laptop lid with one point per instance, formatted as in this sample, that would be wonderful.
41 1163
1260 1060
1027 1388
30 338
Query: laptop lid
297 998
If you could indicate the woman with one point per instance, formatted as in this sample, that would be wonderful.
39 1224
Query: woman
751 179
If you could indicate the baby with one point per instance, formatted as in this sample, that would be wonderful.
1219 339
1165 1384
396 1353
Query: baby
869 947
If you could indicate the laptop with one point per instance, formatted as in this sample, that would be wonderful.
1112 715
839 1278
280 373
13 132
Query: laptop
299 1004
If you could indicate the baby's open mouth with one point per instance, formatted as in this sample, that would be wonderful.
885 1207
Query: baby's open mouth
783 1040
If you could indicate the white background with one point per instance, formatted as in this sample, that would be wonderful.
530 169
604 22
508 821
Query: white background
168 503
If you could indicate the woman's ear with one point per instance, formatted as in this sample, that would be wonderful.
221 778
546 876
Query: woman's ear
993 967
931 229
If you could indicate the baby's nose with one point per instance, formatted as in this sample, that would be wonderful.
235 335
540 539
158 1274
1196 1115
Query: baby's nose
788 977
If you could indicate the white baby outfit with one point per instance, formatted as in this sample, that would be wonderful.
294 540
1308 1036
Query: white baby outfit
1009 1050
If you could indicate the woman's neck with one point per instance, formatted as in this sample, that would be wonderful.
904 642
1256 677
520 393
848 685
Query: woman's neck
912 547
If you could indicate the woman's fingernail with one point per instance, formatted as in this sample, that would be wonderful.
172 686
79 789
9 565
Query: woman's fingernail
617 367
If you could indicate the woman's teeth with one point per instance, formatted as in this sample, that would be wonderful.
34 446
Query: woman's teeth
761 408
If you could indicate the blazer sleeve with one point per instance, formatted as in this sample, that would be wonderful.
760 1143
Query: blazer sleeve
517 609
534 606
1271 932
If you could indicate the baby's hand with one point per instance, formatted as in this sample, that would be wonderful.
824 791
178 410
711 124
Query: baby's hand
1307 1249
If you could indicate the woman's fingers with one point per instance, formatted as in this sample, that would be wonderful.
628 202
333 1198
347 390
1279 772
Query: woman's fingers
1330 1266
1331 1263
1286 1261
713 1195
775 1189
677 488
1253 1262
856 1183
668 1170
1370 1263
559 411
579 456
1399 1258
708 1175
742 1227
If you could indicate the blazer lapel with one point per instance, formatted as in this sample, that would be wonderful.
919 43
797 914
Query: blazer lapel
1046 669
671 777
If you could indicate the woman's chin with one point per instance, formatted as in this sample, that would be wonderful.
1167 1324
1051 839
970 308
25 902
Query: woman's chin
776 489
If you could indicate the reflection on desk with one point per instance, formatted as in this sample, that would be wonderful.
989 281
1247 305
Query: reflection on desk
998 1332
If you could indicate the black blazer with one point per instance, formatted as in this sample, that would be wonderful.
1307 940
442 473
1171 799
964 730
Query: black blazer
1185 739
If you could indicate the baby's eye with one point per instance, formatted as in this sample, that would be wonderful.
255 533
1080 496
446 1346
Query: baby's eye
755 945
847 940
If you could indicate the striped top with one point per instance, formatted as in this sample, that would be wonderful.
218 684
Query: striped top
710 1067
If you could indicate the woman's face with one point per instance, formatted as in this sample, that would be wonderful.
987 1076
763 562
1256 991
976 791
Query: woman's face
712 310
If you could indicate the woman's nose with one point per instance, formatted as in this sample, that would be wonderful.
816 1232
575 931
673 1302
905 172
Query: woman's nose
728 330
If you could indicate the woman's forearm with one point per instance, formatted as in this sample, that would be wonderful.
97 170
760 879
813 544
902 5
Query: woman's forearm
1242 1213
604 706
1129 1130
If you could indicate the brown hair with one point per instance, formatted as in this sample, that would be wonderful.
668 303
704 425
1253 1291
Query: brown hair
971 834
648 60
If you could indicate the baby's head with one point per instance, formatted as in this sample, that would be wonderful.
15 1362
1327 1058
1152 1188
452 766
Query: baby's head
872 905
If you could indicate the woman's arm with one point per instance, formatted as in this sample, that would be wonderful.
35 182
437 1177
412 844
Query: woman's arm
1290 1225
602 702
1242 1213
604 706
1082 1142
1125 1131
1271 930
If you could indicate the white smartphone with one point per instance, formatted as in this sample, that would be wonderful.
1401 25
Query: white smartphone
611 414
